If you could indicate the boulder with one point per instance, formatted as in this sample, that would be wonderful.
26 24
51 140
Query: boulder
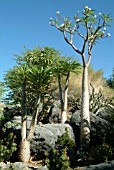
23 166
106 113
20 166
101 129
45 135
54 115
101 166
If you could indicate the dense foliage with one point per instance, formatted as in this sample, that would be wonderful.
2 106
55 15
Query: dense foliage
7 146
111 80
99 154
58 158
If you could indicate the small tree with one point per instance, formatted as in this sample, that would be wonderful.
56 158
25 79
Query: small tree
2 90
63 67
111 80
32 77
88 26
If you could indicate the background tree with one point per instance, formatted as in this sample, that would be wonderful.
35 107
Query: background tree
63 66
88 27
111 80
2 90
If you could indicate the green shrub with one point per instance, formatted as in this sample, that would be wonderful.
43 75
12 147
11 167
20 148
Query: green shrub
58 158
65 140
99 154
7 146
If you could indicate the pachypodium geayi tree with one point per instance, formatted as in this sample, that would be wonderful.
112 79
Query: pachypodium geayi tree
32 78
63 66
90 27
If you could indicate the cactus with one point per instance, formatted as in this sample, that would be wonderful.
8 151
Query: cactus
97 100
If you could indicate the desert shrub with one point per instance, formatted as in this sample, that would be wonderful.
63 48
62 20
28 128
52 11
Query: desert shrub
58 158
99 154
7 146
65 140
97 101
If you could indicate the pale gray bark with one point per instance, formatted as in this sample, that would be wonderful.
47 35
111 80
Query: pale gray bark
23 112
85 115
64 112
65 102
33 121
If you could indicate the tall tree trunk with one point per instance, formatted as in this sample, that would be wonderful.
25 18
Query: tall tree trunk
61 97
23 113
85 115
24 147
34 120
64 113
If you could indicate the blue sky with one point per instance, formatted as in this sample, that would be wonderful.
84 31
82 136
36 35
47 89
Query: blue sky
25 23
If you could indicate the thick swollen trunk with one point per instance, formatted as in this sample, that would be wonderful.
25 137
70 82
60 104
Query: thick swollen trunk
24 151
85 115
24 147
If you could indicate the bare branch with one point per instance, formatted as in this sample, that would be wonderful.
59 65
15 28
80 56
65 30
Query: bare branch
71 37
81 35
85 40
64 34
69 42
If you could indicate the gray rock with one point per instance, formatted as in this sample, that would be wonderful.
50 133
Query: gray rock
101 166
23 166
101 129
106 112
19 166
55 114
45 135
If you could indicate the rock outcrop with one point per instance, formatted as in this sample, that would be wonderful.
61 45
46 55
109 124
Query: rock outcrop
101 129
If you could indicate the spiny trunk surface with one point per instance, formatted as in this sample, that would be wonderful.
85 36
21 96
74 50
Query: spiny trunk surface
24 151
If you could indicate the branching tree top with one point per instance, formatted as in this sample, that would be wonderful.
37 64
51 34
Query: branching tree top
87 24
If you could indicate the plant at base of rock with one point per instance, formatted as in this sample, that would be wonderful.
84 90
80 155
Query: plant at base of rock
57 159
65 140
7 146
100 154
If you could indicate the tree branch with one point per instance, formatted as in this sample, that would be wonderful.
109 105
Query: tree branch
72 45
84 60
85 40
